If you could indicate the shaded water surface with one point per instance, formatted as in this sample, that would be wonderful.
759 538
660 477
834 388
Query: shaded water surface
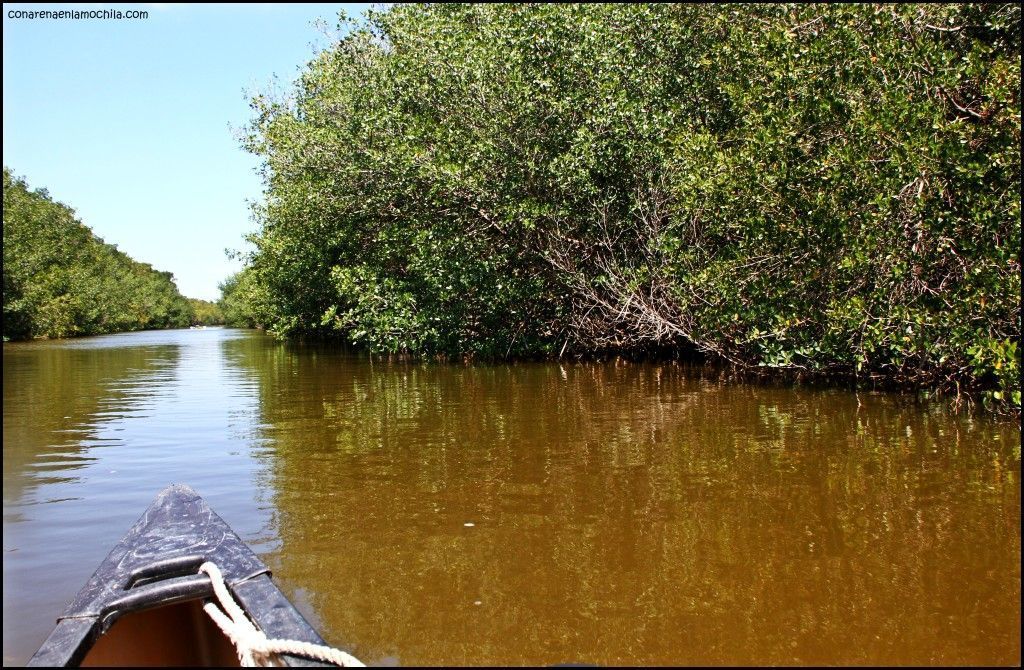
532 513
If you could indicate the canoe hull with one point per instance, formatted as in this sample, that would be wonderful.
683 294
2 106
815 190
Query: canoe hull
149 581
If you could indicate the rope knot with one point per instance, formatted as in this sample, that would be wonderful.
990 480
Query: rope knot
254 647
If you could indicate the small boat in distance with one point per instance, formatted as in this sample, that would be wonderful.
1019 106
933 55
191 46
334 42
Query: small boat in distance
144 605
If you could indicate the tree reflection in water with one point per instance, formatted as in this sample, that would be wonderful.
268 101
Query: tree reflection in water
633 513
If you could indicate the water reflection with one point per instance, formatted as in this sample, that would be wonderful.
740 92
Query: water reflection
636 514
536 513
92 429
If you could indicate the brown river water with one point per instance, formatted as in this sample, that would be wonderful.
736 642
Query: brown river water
537 513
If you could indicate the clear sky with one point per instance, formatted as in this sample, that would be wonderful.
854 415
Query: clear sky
133 122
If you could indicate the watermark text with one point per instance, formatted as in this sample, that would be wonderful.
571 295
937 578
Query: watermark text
77 14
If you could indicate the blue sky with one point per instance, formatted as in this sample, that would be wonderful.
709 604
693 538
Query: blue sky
133 123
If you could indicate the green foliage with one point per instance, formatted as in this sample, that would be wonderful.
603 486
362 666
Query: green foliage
241 302
205 313
833 189
60 280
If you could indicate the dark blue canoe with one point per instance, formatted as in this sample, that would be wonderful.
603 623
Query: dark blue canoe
143 605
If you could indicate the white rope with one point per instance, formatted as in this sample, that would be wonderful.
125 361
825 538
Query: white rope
254 648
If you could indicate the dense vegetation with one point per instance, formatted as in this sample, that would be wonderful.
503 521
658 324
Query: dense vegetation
60 280
235 303
830 189
205 313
